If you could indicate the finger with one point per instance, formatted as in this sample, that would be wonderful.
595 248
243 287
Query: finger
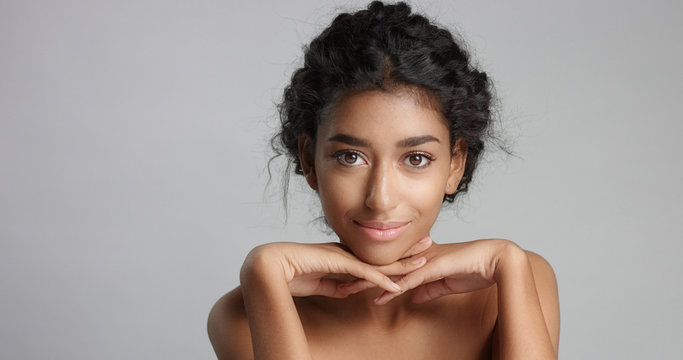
330 288
430 291
418 247
402 267
369 273
356 286
410 281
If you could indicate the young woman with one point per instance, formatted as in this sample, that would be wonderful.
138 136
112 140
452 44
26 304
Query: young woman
386 120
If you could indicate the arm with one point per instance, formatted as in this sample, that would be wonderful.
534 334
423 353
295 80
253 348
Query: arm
259 320
276 329
228 327
261 309
528 309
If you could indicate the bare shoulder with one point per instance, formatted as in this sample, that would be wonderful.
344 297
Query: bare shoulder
546 287
544 275
540 266
228 327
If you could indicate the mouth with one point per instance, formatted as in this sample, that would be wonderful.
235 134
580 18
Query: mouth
382 231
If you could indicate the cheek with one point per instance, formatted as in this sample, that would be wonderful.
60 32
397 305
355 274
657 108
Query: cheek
426 195
430 187
337 196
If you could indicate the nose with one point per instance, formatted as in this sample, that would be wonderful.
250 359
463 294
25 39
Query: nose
381 193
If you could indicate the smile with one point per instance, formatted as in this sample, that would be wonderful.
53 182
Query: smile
382 231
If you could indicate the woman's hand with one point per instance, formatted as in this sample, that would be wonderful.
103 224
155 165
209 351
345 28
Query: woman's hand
453 269
528 311
310 269
273 273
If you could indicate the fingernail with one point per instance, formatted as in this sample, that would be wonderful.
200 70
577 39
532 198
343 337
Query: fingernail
424 240
395 286
419 261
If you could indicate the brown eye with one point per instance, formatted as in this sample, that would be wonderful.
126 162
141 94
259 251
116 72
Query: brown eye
350 158
415 160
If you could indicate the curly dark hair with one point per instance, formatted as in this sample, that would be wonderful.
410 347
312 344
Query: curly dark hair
386 47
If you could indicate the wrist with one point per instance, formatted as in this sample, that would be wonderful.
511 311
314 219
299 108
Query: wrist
510 260
262 264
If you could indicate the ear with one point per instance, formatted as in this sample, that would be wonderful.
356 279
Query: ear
307 159
458 161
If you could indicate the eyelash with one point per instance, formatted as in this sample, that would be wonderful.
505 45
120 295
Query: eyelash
340 154
423 156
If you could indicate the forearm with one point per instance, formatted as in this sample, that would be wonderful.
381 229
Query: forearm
522 331
276 329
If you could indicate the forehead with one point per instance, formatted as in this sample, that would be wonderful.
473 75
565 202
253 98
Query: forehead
380 114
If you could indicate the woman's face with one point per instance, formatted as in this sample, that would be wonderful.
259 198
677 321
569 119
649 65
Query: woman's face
381 165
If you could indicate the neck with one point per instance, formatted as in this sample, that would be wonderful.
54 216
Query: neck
361 308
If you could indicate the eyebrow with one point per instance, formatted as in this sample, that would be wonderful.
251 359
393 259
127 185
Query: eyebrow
416 140
407 142
350 140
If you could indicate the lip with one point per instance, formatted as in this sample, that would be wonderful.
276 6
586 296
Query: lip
382 231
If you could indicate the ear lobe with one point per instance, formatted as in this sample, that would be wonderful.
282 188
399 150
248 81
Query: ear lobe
457 169
307 160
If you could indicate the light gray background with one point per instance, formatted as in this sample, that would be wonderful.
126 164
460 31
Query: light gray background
133 148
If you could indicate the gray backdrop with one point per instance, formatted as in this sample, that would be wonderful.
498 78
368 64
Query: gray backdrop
133 146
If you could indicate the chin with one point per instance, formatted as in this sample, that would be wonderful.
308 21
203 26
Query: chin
377 258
